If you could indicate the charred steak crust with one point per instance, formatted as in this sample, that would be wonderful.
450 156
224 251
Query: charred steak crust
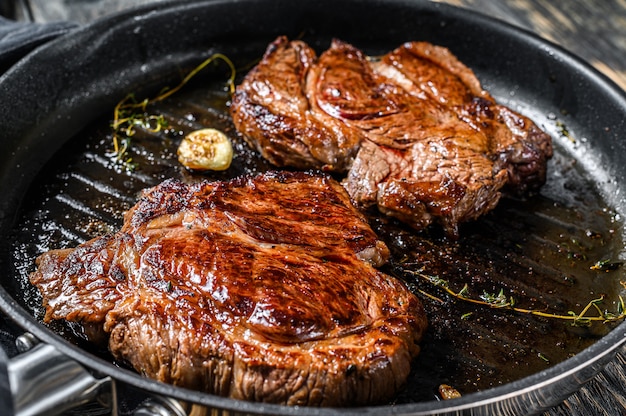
417 135
261 288
272 112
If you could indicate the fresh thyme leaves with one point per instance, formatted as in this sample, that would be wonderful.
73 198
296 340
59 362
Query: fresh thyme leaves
131 113
501 301
606 265
466 316
497 301
564 131
543 357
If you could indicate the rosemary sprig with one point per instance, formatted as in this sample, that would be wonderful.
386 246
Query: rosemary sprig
501 301
131 113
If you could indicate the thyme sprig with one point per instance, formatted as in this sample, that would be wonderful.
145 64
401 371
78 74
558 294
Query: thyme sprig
501 301
130 113
606 265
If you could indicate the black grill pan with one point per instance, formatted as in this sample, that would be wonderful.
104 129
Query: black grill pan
60 188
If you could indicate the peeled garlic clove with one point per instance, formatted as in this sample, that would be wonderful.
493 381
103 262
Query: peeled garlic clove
205 149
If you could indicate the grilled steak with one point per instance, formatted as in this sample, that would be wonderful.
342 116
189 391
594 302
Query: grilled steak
417 135
262 288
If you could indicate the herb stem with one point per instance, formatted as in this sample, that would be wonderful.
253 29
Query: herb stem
129 113
501 302
230 82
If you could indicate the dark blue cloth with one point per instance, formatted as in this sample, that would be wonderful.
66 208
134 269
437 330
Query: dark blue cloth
19 38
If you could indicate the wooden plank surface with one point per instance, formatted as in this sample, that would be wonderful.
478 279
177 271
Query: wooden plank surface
594 30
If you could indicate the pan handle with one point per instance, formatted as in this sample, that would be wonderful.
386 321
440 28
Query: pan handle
44 381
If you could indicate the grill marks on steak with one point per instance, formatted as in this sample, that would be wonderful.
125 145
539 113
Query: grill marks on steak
259 288
417 135
515 142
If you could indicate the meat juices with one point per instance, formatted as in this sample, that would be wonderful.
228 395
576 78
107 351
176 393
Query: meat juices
414 131
262 288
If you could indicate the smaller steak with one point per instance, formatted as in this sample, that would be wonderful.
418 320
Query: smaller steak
417 135
419 162
261 288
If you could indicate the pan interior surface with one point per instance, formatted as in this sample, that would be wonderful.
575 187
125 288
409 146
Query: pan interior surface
539 252
555 253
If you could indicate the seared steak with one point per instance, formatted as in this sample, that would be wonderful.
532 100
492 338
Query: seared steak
262 288
417 135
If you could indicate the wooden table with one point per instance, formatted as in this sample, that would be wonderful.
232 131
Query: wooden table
595 30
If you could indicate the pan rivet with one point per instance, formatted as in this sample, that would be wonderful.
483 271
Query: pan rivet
25 342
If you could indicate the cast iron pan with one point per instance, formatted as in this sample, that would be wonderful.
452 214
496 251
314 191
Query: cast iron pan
59 188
